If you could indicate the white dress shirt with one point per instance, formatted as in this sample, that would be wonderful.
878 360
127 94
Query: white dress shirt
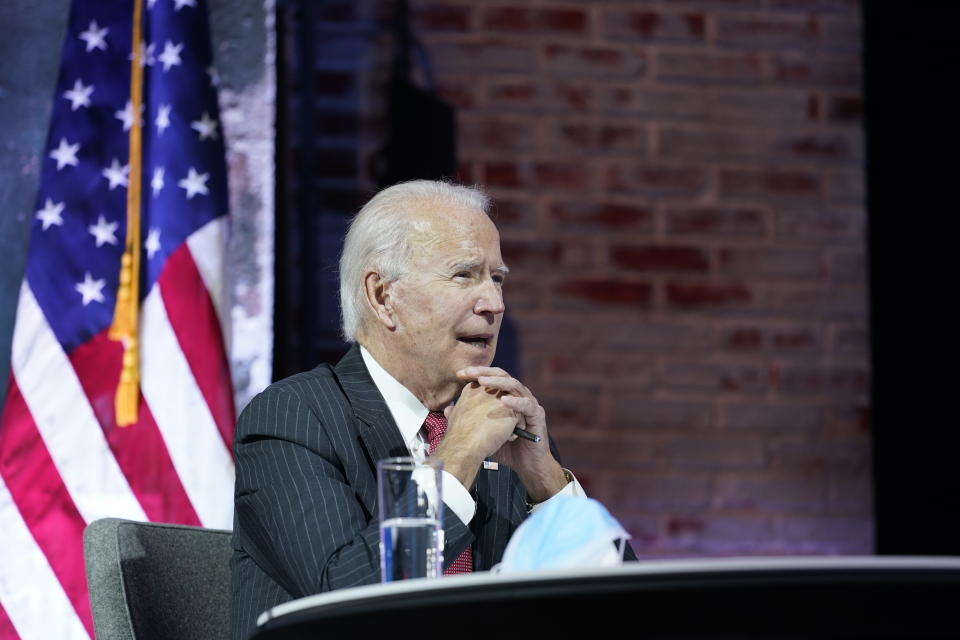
410 414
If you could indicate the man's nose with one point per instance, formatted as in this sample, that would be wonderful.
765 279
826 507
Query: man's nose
490 299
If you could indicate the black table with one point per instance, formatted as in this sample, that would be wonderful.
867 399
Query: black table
795 597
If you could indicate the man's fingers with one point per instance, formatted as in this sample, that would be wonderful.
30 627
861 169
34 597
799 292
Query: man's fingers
510 385
526 406
472 373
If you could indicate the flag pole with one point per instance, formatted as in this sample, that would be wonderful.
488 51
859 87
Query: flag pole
126 313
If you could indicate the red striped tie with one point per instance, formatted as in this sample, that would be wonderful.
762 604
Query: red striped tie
436 424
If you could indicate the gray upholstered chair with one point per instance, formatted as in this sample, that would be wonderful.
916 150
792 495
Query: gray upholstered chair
149 580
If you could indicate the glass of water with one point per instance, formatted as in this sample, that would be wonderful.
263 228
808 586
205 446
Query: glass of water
411 518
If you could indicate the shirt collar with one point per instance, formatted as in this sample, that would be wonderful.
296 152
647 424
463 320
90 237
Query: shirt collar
408 412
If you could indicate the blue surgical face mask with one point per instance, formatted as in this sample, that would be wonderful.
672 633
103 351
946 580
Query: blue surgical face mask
565 532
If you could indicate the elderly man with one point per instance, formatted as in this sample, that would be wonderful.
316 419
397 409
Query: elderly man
421 289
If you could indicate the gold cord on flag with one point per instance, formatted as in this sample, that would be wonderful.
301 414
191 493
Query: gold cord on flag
126 313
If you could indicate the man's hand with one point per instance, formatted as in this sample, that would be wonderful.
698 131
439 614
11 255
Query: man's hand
539 471
477 426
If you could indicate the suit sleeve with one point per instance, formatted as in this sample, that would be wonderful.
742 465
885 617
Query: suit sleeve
298 516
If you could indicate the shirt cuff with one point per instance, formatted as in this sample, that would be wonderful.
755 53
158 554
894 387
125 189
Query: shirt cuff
457 498
572 488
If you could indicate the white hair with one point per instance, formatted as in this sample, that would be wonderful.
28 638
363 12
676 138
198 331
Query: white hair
379 238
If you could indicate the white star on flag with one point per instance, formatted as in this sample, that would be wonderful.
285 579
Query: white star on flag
146 54
195 183
50 214
153 242
184 3
150 3
171 55
126 115
95 37
103 231
163 118
65 154
79 96
90 289
156 183
205 126
116 174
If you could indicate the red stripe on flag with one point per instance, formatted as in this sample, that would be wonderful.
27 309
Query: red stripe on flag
7 630
194 320
44 503
139 449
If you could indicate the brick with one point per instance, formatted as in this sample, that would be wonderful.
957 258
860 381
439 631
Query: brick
720 106
712 534
561 175
494 133
647 491
550 21
794 340
570 407
715 222
512 92
650 336
588 137
611 292
849 454
656 179
759 416
636 413
847 187
501 174
769 183
819 71
842 36
465 173
531 254
701 295
850 340
826 535
742 338
460 93
851 419
442 17
590 215
763 263
700 376
512 213
848 266
822 226
850 494
764 32
814 300
490 54
711 452
605 454
771 492
743 143
659 258
710 68
654 26
823 380
586 366
567 59
845 109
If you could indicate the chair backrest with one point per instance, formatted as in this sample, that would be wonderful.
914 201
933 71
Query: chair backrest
149 580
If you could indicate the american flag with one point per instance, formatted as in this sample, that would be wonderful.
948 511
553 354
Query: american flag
64 460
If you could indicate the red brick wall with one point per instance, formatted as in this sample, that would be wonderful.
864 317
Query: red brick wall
679 189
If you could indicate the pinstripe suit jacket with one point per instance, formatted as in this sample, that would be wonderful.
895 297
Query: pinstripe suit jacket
306 492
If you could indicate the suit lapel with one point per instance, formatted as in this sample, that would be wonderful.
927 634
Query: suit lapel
378 433
500 509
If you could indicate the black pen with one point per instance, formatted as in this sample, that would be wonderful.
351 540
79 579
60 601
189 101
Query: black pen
526 435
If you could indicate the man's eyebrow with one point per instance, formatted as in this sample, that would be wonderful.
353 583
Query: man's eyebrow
470 265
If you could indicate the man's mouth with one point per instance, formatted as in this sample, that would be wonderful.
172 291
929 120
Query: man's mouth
479 341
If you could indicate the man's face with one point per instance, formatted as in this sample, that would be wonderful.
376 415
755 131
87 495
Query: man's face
449 305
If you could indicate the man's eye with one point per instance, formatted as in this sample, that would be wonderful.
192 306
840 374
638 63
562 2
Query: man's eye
462 274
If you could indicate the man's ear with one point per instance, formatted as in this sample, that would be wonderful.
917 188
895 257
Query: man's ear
376 292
